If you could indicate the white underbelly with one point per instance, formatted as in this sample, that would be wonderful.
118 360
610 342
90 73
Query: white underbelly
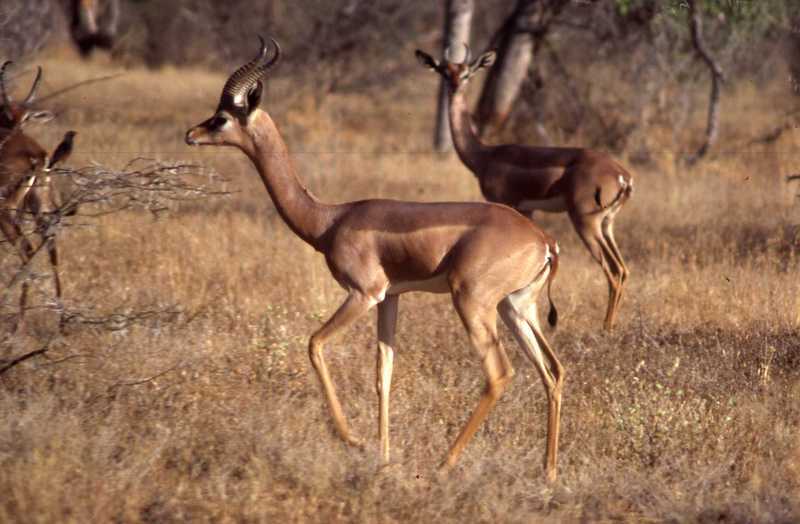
437 284
557 204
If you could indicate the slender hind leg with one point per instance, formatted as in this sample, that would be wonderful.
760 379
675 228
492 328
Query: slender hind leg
590 231
608 234
519 312
352 308
387 323
481 325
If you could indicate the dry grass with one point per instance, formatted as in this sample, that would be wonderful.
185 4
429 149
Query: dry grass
687 412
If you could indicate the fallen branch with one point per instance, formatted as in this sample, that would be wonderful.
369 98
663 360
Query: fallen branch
139 382
19 360
775 133
121 320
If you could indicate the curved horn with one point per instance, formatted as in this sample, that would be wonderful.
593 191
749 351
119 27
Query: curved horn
258 71
467 55
239 80
275 58
34 87
6 98
244 77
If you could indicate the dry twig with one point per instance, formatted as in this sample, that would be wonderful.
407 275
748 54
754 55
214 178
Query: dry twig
146 184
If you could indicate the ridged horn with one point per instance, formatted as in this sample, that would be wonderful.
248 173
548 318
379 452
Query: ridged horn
6 98
268 65
243 78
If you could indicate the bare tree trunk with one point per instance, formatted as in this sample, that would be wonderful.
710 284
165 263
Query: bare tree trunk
112 18
516 42
712 126
458 21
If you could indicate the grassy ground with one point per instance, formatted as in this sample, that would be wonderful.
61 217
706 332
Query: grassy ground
687 412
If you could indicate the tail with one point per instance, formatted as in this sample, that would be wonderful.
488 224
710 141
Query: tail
552 261
625 190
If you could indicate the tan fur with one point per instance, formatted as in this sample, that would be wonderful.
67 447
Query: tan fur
550 179
376 249
25 188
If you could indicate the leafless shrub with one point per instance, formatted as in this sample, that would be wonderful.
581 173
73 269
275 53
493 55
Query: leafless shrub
95 191
143 183
25 26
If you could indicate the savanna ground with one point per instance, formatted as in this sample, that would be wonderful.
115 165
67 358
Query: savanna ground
687 411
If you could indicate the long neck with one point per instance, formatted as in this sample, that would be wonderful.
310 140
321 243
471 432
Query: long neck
468 146
306 216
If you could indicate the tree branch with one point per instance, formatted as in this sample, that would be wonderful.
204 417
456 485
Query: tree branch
717 77
80 84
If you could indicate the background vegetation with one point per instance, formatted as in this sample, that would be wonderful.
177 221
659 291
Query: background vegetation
182 389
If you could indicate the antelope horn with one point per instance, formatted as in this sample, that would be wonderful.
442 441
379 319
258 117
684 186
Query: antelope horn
467 55
34 87
6 98
257 72
274 60
237 81
248 74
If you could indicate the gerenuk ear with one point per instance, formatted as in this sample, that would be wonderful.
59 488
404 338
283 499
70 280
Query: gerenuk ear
254 96
484 61
39 117
426 60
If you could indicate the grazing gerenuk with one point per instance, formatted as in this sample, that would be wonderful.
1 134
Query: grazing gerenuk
589 185
488 256
25 182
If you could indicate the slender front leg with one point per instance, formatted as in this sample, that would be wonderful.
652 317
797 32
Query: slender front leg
13 233
52 251
387 323
352 308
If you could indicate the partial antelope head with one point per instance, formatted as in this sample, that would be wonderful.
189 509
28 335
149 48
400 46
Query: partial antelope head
240 98
15 114
456 75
